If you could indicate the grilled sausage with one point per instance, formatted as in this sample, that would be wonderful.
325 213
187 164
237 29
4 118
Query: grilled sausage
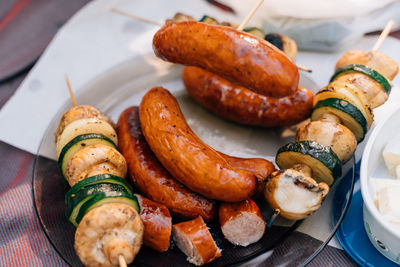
195 240
241 223
157 224
151 178
236 103
237 56
185 156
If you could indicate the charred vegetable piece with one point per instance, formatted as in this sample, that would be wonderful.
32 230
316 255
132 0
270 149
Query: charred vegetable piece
385 83
294 194
209 20
350 116
324 163
255 31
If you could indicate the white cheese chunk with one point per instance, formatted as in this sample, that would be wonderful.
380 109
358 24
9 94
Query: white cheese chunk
391 155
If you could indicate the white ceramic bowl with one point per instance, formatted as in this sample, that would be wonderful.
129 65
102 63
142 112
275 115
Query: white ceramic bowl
383 235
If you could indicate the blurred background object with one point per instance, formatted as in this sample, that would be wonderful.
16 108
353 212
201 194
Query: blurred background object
328 25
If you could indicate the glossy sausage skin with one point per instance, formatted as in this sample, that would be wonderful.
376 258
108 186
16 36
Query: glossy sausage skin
238 104
151 178
261 168
185 156
193 236
157 224
235 55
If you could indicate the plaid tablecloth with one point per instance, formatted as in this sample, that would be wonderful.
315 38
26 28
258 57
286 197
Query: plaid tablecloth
22 240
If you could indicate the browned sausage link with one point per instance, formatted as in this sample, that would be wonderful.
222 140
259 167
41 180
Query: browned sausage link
185 156
151 178
157 224
261 168
235 55
236 103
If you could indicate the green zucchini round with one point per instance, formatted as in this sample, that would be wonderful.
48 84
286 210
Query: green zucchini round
75 201
100 178
379 78
77 144
255 31
104 198
350 115
208 20
325 164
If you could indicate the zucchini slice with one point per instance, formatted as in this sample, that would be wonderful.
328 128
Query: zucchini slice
350 116
208 20
77 144
325 164
255 31
75 201
379 78
104 198
85 126
101 178
348 92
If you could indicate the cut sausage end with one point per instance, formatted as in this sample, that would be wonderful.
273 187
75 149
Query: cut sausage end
244 230
195 241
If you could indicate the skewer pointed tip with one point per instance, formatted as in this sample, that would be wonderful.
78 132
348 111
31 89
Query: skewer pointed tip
384 34
71 93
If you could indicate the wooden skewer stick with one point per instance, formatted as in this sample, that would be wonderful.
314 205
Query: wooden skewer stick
249 16
73 100
122 262
300 67
383 35
123 13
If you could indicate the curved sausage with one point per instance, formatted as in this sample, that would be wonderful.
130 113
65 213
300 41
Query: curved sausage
157 224
195 240
151 178
236 103
235 55
185 156
241 223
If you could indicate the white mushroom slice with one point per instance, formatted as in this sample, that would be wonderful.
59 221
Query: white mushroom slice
374 59
338 137
108 231
295 195
373 91
85 126
180 17
93 160
80 112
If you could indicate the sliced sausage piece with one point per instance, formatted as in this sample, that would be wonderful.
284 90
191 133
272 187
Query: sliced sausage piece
295 195
238 104
195 241
374 59
235 55
93 160
157 224
151 178
185 156
106 232
241 223
338 137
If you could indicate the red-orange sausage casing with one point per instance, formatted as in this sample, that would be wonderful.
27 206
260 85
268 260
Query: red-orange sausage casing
235 55
157 224
185 156
236 103
151 178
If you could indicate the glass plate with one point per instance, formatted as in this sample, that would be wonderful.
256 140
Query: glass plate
285 242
